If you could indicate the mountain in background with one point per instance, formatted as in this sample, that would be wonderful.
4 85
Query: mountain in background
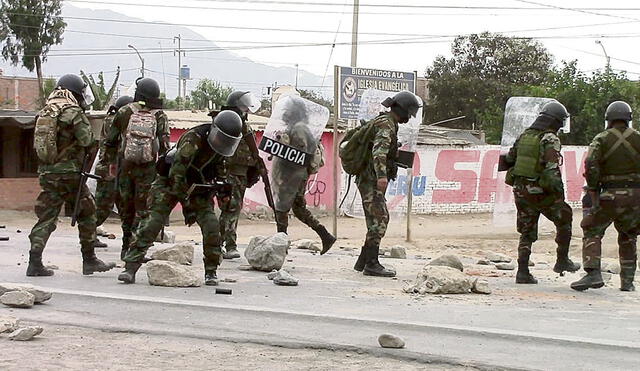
221 65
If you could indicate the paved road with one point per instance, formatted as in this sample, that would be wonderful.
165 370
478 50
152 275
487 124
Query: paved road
535 327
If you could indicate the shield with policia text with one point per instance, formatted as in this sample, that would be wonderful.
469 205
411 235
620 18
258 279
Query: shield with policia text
519 114
290 139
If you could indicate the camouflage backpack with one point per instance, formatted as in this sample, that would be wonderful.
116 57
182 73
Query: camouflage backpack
355 148
139 142
318 160
45 136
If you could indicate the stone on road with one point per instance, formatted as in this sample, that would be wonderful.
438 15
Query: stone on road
306 244
497 257
451 261
181 253
440 280
40 295
398 252
390 341
170 274
9 324
18 299
506 266
284 278
267 253
481 287
25 333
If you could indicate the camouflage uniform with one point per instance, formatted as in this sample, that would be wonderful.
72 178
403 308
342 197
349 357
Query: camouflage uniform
59 182
194 163
106 192
300 211
382 165
615 174
540 192
242 175
134 180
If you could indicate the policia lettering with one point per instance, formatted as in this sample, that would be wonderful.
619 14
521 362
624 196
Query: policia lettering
612 170
199 159
534 173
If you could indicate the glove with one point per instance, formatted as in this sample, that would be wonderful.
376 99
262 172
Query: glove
225 191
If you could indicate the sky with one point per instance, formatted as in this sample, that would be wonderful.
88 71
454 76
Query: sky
403 35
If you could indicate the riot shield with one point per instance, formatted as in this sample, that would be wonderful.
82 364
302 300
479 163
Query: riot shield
290 139
519 114
370 107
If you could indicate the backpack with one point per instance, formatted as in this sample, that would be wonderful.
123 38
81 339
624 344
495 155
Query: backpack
139 143
45 136
355 148
318 160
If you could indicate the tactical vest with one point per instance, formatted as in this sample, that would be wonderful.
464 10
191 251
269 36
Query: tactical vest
528 164
52 138
621 152
203 168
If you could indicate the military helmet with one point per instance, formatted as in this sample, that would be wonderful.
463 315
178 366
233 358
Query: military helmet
618 111
122 101
147 88
78 87
225 133
405 104
555 110
244 101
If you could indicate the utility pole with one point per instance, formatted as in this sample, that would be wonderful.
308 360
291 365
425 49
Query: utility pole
164 76
605 53
179 52
141 59
354 33
297 68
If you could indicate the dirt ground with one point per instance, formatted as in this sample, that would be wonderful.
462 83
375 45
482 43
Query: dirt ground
71 348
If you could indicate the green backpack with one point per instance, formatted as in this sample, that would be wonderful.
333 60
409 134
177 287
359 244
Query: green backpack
355 148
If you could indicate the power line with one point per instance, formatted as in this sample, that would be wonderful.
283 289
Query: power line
576 10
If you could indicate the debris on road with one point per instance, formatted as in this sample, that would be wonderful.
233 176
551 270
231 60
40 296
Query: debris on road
483 262
390 341
271 275
449 260
181 253
166 237
170 274
3 238
18 299
223 291
26 333
229 280
505 266
440 280
495 257
40 295
306 244
481 287
284 278
398 252
267 253
9 324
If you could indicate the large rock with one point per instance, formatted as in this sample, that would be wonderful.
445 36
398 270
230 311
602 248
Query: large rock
497 257
18 299
390 341
440 280
267 253
284 278
26 333
40 295
306 244
181 253
170 274
481 287
451 261
9 324
398 252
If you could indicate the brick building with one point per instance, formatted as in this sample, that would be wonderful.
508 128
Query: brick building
18 93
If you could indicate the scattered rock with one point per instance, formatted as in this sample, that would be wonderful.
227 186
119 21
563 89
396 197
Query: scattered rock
245 267
483 262
398 252
3 238
169 237
283 278
531 263
498 258
267 253
170 274
18 299
606 276
306 244
25 333
181 253
229 280
384 251
40 295
481 287
440 280
390 341
271 275
506 266
451 261
9 324
101 232
111 236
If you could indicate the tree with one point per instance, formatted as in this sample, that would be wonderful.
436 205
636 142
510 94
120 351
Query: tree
316 97
28 29
102 97
209 91
481 75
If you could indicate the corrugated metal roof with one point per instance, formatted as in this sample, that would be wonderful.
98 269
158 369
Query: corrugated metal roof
436 136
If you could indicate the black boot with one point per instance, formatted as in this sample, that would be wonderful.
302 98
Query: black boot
592 280
282 221
36 268
99 244
373 266
362 260
129 273
627 274
523 276
126 242
211 277
327 238
564 263
91 264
